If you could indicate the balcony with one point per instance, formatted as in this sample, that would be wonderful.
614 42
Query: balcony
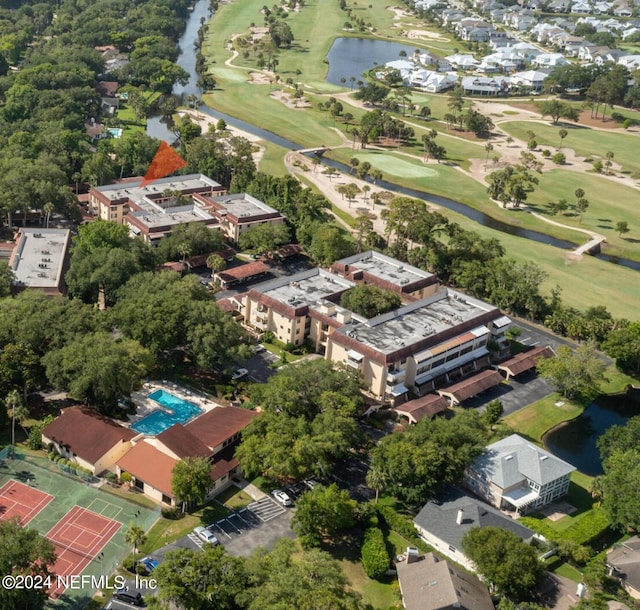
260 322
395 377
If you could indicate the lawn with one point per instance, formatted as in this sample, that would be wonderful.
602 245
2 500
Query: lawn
234 498
609 203
165 531
585 141
533 421
272 161
375 594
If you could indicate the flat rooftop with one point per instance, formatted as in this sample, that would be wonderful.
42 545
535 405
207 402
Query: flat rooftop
428 317
154 215
131 189
306 288
38 258
386 268
242 205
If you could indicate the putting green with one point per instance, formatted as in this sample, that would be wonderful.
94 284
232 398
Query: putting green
397 167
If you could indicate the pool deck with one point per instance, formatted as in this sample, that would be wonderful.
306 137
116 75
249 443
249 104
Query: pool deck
146 406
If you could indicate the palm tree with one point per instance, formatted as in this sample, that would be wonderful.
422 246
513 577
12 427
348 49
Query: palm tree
563 133
376 479
184 250
488 147
136 537
47 208
13 402
216 263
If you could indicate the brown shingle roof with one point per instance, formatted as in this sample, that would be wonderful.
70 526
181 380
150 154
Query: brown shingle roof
219 424
243 271
426 406
430 584
150 465
473 385
224 462
181 442
87 433
526 360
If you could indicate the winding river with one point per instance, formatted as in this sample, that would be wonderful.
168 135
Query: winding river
186 59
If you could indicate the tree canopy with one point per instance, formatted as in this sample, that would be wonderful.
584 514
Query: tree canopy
322 514
623 344
575 373
370 301
191 480
23 551
429 455
504 560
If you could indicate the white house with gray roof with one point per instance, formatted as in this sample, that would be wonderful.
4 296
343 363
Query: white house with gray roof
514 474
443 524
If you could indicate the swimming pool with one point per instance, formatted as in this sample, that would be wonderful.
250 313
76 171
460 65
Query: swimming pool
178 411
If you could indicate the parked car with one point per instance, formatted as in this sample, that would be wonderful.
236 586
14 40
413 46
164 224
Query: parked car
239 374
282 497
149 563
310 483
205 535
296 490
131 597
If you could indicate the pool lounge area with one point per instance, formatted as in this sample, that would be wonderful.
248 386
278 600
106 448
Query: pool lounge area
159 407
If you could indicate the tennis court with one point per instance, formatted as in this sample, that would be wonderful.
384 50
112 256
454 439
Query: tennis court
78 537
21 501
86 523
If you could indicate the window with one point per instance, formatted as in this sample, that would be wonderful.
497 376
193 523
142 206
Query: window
166 499
452 548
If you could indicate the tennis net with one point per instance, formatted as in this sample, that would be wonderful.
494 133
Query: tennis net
72 549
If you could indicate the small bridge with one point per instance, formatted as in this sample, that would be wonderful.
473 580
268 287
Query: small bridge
318 150
591 247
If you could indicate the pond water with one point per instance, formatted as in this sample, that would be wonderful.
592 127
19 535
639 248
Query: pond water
575 441
351 57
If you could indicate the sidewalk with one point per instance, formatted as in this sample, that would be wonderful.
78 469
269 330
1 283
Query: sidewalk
249 488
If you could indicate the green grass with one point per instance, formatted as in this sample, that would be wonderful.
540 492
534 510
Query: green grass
568 571
374 594
608 203
586 142
165 531
234 498
533 421
272 161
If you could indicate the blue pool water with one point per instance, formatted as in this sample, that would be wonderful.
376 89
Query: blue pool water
180 411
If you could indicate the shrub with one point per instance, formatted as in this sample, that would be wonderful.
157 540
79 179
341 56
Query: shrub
125 477
597 166
532 144
375 559
559 158
546 153
171 513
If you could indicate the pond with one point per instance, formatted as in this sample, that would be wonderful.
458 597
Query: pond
575 441
351 57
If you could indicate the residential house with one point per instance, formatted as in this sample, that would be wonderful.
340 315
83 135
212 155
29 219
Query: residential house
93 441
451 16
442 524
629 32
433 82
520 20
559 6
588 54
213 435
571 45
460 61
429 583
611 56
544 32
622 10
550 60
474 30
477 85
623 562
631 62
602 8
513 474
40 259
580 7
532 80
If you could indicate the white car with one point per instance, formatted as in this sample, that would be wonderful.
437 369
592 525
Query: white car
205 535
239 374
281 497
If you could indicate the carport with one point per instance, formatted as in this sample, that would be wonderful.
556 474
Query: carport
525 361
472 386
425 406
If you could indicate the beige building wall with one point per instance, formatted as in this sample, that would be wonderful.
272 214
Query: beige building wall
445 549
109 459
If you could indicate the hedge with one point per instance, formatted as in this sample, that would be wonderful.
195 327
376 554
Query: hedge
375 559
584 531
